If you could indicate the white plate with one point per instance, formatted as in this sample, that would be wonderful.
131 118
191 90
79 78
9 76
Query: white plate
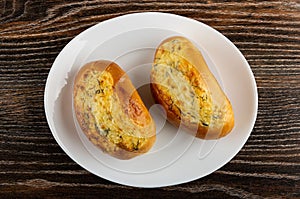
130 41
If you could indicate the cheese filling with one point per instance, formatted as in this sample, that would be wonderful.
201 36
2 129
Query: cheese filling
104 114
177 79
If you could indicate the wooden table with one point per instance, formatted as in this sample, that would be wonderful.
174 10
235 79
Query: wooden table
32 33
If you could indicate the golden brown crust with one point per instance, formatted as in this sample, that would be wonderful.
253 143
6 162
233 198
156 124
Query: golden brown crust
183 84
110 112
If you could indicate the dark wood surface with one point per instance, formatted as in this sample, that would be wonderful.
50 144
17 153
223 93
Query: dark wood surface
32 33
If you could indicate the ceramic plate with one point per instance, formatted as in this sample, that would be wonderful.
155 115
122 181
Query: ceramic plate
130 41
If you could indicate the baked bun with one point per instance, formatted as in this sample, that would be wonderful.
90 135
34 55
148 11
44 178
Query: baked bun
110 112
183 84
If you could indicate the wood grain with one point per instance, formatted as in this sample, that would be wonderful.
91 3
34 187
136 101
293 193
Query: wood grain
32 33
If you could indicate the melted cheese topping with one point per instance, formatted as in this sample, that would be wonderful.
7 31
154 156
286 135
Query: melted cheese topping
103 112
176 78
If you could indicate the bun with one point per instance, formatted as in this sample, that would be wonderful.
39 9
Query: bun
110 112
183 84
